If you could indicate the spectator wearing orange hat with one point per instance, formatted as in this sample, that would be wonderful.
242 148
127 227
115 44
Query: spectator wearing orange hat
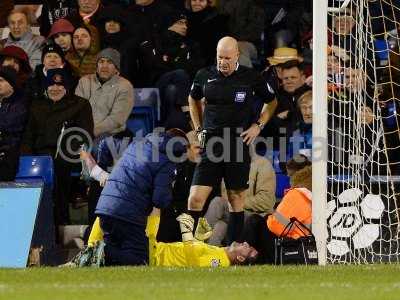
61 34
16 58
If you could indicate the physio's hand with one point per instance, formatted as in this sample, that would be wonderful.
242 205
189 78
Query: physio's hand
250 134
88 159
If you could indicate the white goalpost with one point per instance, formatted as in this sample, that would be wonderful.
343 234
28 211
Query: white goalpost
356 132
319 150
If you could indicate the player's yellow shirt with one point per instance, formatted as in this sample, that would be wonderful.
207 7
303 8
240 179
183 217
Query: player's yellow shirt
189 254
182 254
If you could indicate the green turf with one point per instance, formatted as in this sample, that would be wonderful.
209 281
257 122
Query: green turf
295 283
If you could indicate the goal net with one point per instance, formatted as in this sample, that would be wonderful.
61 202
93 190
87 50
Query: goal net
363 159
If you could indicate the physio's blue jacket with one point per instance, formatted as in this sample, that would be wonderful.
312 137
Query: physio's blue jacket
141 179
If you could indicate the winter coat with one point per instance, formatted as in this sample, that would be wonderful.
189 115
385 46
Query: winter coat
286 101
76 19
13 115
207 27
246 19
173 52
47 120
111 102
260 196
150 20
87 63
30 43
141 180
54 10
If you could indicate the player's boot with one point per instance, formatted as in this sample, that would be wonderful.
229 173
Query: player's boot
203 231
98 259
82 259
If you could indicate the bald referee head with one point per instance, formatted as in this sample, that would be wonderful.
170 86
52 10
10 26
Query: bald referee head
227 55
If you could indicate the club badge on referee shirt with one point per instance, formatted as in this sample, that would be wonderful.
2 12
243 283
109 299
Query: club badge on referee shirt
240 97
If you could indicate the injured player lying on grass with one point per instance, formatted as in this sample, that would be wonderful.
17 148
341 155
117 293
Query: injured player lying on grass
189 253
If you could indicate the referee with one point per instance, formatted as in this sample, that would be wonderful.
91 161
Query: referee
228 91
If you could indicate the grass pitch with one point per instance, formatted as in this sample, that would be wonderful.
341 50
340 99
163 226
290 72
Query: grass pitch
267 282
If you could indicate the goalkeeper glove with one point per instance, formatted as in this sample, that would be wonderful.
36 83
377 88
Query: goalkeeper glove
186 223
203 230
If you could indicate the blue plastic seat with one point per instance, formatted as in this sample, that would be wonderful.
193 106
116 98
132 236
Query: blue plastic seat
36 167
282 184
149 98
139 124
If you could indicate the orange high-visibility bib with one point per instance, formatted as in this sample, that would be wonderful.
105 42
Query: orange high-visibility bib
296 203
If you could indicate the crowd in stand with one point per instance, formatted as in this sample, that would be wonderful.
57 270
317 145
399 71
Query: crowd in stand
80 72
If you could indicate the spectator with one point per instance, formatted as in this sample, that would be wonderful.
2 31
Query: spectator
148 19
113 28
293 86
6 6
61 33
110 95
85 49
286 22
301 139
273 73
88 13
54 10
259 199
171 63
13 115
246 24
16 58
52 58
206 27
21 36
57 111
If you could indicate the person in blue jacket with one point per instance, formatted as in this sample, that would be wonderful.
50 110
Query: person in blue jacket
141 180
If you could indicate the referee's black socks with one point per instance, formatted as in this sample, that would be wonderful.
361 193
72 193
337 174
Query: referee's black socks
235 227
195 215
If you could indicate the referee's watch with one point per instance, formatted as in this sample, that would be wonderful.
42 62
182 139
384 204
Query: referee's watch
260 125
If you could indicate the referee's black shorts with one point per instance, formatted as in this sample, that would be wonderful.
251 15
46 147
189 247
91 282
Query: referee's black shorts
230 161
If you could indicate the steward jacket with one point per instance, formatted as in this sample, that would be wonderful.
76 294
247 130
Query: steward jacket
297 203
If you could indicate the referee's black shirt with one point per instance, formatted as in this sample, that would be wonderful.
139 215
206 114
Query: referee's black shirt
229 100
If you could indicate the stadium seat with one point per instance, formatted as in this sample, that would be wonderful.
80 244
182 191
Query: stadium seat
149 97
282 184
140 122
381 49
36 167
